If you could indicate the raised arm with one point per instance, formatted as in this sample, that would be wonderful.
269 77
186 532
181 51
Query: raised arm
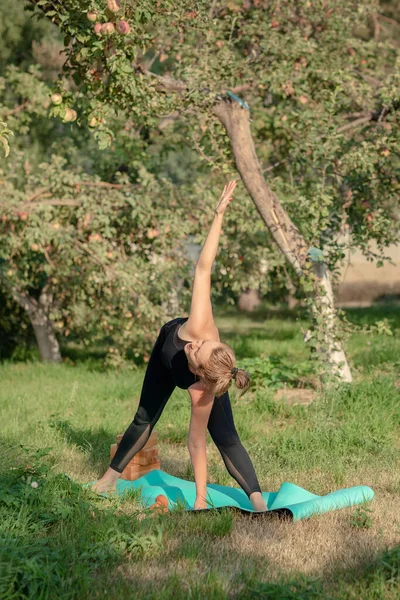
201 319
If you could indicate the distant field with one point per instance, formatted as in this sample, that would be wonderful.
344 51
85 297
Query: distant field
362 283
60 541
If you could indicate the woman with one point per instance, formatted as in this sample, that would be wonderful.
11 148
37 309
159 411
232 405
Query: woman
188 354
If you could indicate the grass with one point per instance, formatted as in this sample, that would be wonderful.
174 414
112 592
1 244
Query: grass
59 540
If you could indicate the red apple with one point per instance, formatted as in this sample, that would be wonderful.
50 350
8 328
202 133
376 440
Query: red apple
23 215
123 27
92 16
97 28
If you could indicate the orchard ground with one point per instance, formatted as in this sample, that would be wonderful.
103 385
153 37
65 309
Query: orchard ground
60 540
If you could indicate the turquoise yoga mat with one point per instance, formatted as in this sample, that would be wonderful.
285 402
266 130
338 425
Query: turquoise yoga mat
290 500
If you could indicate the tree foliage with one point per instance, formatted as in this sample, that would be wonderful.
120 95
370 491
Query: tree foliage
322 86
107 253
135 103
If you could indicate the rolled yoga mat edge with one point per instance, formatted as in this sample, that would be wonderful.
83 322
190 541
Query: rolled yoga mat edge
290 500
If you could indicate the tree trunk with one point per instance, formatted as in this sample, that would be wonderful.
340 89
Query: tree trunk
324 314
42 326
237 123
288 238
45 337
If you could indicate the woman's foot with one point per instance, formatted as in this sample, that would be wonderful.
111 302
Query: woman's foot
107 483
103 486
258 502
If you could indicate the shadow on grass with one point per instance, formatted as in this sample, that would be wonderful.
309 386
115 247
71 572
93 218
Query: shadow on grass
92 357
369 315
58 544
94 444
370 580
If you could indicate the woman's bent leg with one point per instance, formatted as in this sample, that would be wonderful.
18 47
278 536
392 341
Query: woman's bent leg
223 432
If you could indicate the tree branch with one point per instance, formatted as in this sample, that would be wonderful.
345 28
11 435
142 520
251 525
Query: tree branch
16 109
376 115
25 300
105 184
44 192
52 202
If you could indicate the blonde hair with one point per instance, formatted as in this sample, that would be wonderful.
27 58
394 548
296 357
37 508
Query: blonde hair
219 371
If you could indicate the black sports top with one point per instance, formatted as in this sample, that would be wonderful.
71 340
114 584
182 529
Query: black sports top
174 357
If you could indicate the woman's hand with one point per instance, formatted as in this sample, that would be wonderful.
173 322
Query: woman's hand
225 198
200 504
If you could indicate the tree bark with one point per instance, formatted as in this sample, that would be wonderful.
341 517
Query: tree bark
328 347
286 235
38 312
237 124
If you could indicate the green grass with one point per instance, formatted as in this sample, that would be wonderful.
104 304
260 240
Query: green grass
59 540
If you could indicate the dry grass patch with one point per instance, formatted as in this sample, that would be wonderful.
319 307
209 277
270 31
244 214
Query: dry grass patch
319 547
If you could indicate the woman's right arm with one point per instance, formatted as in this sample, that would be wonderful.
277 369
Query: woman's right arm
201 405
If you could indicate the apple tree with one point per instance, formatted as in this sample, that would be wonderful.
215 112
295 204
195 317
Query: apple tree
301 96
89 257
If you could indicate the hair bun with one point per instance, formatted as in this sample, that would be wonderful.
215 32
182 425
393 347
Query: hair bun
242 380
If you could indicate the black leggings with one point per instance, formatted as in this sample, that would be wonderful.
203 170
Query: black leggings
157 387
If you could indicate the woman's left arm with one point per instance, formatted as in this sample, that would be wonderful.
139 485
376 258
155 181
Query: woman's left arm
202 403
201 318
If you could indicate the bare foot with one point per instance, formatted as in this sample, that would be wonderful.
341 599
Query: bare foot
103 486
107 483
258 502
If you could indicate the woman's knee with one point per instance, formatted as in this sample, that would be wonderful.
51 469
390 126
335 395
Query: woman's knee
223 439
142 417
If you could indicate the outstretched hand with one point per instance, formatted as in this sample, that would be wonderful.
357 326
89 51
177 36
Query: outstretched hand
225 198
